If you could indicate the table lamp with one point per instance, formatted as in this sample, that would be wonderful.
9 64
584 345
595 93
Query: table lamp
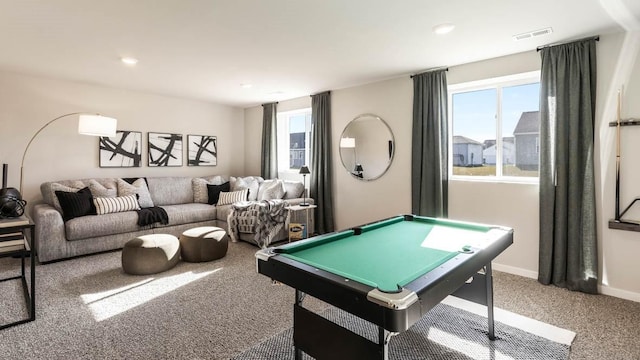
304 171
358 170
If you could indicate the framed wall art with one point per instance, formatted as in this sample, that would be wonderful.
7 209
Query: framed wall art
122 150
165 149
202 150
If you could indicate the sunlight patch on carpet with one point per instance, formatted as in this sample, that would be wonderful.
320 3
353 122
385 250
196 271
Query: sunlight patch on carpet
106 304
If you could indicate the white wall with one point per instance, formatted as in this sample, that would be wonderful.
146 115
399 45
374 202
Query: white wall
28 102
509 204
618 68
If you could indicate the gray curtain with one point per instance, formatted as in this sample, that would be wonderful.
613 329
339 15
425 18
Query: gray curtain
321 170
269 162
568 249
429 146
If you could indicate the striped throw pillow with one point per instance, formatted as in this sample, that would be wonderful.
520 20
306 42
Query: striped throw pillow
108 205
227 198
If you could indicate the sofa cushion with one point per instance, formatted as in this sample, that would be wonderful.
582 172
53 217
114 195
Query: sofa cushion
75 203
170 190
138 187
199 187
49 192
249 182
214 192
101 225
222 212
189 213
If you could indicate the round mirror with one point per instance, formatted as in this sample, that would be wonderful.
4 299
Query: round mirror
366 147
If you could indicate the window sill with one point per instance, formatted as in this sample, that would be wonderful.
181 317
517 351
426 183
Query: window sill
494 179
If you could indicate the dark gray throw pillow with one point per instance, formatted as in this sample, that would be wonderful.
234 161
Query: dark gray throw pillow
215 190
76 204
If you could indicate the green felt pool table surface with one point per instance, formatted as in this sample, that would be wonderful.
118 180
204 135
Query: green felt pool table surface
389 254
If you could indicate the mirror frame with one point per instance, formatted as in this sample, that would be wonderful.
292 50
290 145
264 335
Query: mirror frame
393 147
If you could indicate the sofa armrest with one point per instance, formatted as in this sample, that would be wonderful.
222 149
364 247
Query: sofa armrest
50 232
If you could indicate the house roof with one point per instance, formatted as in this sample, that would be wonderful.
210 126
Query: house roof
459 139
529 123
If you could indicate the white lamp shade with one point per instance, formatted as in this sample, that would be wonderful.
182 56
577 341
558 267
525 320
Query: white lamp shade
347 142
97 125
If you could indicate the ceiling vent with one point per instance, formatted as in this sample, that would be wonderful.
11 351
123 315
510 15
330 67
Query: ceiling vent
531 34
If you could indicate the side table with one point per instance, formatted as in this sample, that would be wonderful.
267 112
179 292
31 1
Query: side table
14 241
303 214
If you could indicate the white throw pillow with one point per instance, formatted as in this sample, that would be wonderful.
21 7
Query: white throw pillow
250 182
138 187
108 205
272 190
231 197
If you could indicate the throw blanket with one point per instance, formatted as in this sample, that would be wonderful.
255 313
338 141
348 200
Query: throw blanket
148 216
265 218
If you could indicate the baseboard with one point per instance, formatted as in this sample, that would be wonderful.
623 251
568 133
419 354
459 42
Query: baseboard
602 289
515 271
619 293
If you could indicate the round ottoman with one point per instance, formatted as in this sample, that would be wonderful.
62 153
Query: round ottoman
203 244
150 254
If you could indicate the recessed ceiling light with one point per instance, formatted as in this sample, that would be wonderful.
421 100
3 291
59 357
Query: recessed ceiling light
442 29
246 86
276 93
129 60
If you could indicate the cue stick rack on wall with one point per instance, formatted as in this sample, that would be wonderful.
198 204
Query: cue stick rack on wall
618 222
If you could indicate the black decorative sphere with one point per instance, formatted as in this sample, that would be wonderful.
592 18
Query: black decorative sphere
11 203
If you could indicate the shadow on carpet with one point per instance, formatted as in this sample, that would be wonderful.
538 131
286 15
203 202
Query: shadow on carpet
446 332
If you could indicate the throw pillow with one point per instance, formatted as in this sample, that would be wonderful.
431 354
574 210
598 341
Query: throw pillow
249 182
294 189
214 192
138 187
59 187
274 190
231 197
76 204
99 190
108 205
200 191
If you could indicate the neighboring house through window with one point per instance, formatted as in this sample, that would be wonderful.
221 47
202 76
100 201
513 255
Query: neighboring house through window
495 128
294 135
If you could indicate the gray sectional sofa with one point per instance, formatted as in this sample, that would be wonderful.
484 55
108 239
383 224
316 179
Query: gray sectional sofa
183 198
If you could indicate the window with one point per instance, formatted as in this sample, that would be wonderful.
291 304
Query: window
495 128
294 140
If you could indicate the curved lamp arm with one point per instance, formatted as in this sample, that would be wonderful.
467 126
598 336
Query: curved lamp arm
110 132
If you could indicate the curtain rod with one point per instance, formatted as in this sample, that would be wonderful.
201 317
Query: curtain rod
596 38
445 68
269 103
322 92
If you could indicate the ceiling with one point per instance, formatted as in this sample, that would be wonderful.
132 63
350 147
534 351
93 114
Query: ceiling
205 49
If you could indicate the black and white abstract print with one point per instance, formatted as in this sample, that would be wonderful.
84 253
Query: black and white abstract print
203 150
165 149
122 150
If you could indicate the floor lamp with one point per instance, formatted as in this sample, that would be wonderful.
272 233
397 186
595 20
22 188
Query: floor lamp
88 124
304 171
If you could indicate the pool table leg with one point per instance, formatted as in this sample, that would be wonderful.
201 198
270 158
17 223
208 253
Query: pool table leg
489 284
299 298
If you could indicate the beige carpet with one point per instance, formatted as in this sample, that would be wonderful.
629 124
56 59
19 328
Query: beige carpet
87 308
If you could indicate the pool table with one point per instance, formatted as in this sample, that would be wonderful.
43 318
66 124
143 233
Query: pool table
390 273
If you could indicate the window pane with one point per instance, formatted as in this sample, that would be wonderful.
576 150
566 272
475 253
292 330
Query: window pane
297 141
520 130
474 132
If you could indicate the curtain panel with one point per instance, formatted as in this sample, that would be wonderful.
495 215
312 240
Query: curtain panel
430 146
321 171
568 244
269 162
